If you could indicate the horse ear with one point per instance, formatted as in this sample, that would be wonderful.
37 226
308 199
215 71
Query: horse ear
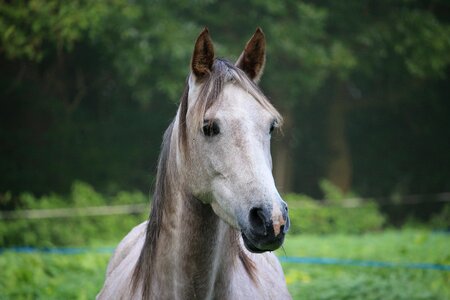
203 56
253 58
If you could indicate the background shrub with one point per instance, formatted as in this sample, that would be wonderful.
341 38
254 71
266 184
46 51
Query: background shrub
311 216
339 213
76 230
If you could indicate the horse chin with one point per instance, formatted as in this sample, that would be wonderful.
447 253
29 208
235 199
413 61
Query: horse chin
250 246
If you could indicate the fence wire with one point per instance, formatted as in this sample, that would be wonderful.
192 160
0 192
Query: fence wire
137 208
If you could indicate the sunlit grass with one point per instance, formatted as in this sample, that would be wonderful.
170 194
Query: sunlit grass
390 246
80 276
306 281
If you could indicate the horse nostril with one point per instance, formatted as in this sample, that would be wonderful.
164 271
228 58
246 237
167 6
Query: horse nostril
285 212
257 221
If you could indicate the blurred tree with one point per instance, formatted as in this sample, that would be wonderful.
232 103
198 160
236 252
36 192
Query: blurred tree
73 72
394 46
87 87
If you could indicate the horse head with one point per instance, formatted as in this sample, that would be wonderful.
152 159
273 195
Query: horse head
227 124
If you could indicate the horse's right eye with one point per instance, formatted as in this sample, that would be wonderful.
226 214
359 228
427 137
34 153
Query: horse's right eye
210 128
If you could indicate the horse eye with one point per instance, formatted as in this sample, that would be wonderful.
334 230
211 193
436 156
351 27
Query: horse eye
210 128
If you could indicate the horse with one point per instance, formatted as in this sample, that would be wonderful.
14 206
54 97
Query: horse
216 214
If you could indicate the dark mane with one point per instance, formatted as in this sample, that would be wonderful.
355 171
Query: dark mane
223 72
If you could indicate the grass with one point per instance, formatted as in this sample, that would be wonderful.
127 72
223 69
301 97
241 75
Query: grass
392 245
56 276
51 276
351 282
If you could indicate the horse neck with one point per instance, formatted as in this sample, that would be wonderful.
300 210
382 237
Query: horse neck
202 248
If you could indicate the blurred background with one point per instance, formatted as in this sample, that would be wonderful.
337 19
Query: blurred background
88 87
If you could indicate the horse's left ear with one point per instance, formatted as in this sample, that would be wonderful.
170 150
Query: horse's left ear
253 58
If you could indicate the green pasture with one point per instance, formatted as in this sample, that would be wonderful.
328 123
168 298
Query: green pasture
59 276
307 281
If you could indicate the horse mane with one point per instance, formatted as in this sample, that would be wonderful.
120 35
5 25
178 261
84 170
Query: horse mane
212 86
162 193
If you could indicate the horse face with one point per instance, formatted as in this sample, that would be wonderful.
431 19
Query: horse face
230 168
229 161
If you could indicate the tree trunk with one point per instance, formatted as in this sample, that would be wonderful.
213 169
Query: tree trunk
340 167
283 157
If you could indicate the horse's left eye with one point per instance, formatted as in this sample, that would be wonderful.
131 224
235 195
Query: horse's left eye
210 128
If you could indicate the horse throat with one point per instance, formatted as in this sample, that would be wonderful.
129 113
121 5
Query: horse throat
203 250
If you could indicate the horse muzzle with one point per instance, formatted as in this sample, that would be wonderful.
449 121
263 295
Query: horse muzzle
266 230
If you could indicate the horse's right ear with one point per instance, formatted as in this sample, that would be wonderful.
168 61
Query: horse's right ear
203 56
